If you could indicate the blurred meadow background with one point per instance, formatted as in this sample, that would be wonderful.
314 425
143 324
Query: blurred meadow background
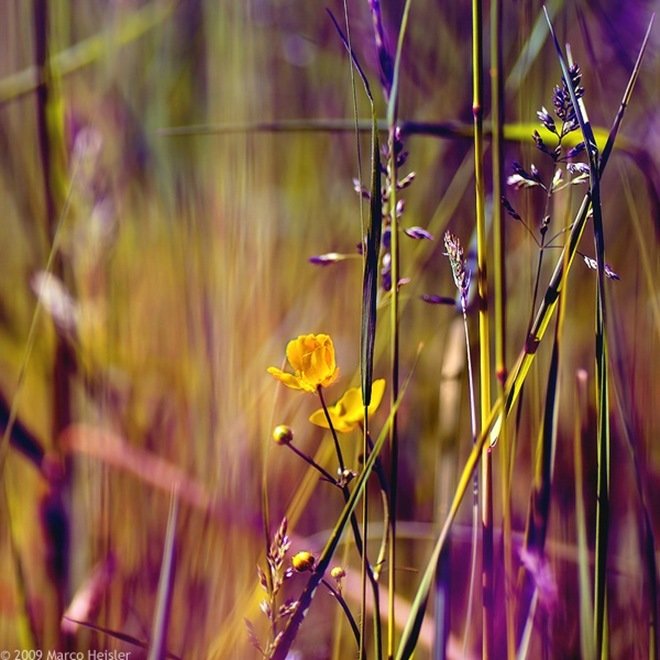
146 162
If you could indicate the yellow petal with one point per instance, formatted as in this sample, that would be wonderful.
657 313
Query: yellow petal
339 423
294 352
286 378
351 404
318 418
377 391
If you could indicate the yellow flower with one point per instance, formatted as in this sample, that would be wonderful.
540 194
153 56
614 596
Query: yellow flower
312 358
348 412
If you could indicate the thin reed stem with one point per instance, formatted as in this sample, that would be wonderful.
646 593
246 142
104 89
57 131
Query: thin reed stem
394 392
475 484
310 461
335 439
347 612
484 334
499 299
392 116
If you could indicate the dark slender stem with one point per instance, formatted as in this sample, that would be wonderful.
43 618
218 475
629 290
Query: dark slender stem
340 457
359 543
347 612
309 460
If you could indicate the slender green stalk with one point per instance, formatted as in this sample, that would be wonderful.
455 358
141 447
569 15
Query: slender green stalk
392 112
50 132
586 601
475 484
499 304
366 372
484 334
394 377
539 506
450 130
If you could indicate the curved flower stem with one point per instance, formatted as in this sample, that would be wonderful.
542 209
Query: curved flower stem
310 461
385 494
344 606
340 457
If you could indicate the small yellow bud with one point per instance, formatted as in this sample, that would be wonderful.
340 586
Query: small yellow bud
283 434
338 573
303 561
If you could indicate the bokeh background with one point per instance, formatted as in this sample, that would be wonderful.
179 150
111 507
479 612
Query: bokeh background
182 269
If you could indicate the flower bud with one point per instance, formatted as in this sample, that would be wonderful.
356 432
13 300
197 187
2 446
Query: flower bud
303 561
338 573
283 434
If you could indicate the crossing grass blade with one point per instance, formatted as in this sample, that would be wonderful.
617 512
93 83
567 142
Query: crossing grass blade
373 237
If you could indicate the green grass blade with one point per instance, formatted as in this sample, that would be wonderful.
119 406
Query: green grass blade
392 118
370 280
603 427
374 231
586 598
394 94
